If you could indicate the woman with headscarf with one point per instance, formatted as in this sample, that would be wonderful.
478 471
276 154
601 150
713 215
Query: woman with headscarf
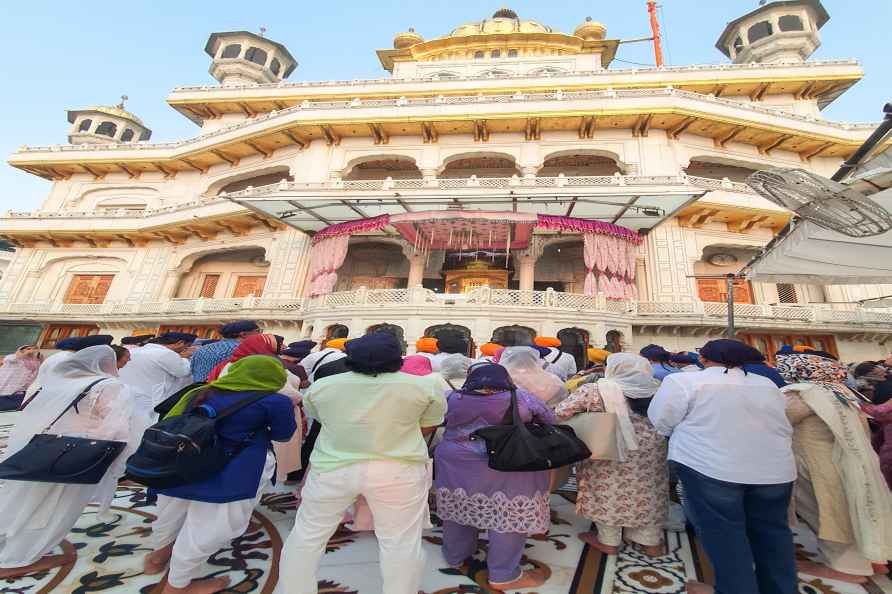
197 519
626 498
471 496
36 517
840 492
373 419
455 369
19 369
526 370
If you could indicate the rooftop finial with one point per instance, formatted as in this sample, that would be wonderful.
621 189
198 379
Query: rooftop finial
588 19
262 31
123 99
504 13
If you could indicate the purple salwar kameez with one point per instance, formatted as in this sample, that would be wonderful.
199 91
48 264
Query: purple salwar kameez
471 496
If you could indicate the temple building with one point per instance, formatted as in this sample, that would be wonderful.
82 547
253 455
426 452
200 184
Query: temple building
503 179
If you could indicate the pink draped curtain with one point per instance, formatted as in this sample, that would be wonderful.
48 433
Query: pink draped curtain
326 257
589 254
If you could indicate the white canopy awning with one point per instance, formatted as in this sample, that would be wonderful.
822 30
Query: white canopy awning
815 255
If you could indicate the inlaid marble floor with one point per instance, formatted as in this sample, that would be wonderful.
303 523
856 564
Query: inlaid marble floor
110 551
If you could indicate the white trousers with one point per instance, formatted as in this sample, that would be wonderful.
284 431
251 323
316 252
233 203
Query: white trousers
397 495
200 529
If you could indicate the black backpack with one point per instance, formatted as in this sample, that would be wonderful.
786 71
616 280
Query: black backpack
184 449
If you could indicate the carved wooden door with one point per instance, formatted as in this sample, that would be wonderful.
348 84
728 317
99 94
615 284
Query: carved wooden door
716 289
88 288
249 285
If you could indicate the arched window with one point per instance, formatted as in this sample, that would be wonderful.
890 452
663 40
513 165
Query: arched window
107 129
85 125
790 22
275 66
495 54
512 53
231 51
256 55
759 31
478 55
127 136
738 44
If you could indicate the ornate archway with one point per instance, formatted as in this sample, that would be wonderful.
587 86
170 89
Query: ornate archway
575 341
393 329
453 332
514 335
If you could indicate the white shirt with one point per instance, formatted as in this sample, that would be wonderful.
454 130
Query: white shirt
154 373
309 362
729 426
563 366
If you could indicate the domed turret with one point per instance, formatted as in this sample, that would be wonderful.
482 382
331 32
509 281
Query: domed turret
103 124
241 57
407 39
504 13
781 31
591 30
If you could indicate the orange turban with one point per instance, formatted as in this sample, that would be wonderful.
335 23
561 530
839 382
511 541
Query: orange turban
426 345
336 343
597 355
489 349
801 348
547 341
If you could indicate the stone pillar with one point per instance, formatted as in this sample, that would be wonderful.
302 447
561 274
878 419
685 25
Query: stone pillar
430 176
416 269
526 271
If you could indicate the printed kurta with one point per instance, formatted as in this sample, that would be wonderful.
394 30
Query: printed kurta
630 494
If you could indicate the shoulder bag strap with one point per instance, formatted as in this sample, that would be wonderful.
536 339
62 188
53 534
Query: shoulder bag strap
319 362
231 410
557 356
74 402
512 413
30 400
450 384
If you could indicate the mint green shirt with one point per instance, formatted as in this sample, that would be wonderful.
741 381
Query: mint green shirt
373 417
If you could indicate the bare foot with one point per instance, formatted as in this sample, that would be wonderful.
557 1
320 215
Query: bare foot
880 568
199 587
652 550
698 588
43 564
528 579
156 561
822 571
591 539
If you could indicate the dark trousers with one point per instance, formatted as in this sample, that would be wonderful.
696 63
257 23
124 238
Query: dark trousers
745 532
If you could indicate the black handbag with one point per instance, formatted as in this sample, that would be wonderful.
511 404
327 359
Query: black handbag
50 458
515 446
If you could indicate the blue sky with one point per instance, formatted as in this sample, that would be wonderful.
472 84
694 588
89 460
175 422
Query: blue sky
70 55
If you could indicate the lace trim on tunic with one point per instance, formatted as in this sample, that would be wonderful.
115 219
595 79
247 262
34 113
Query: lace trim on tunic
521 514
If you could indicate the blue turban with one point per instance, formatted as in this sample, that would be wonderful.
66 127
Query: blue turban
684 359
487 376
377 352
172 337
730 353
67 344
654 352
543 351
233 329
83 342
299 349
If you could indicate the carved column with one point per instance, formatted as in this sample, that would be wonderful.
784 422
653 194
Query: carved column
526 271
416 269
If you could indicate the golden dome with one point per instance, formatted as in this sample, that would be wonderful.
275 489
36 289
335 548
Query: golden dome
504 20
407 39
591 30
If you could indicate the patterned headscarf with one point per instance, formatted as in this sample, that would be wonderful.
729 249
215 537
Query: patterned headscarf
256 344
814 369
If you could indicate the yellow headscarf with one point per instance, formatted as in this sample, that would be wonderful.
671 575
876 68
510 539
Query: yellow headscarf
336 343
597 355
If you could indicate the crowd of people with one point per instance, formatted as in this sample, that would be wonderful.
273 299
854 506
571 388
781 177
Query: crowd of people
373 438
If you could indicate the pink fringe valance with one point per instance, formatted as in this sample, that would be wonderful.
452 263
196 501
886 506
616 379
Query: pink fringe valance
587 226
351 227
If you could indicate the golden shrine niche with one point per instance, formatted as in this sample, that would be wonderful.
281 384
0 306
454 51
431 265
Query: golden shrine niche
474 275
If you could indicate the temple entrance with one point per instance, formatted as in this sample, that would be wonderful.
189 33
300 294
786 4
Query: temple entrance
393 329
575 341
452 333
513 335
465 271
336 331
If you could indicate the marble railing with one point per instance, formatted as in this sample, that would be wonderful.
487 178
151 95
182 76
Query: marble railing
589 73
365 302
443 100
